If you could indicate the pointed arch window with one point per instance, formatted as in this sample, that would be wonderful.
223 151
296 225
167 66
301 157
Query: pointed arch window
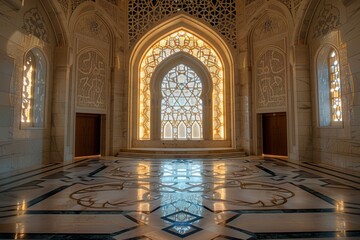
181 105
329 88
33 89
169 45
335 87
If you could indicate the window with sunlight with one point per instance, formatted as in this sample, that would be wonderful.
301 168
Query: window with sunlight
33 89
181 105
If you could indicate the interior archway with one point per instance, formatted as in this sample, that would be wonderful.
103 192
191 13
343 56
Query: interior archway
196 48
158 76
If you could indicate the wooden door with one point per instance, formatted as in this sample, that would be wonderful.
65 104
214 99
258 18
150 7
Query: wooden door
87 138
274 133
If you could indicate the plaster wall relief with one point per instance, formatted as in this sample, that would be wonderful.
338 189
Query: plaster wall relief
270 65
328 20
93 27
93 51
268 27
91 80
270 80
33 23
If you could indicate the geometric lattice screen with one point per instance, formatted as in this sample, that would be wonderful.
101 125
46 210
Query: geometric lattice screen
220 14
33 89
181 41
335 86
181 105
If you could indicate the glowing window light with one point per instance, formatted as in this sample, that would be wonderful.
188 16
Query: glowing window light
335 87
33 89
181 106
28 88
162 49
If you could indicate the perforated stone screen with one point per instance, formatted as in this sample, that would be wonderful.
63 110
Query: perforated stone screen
220 14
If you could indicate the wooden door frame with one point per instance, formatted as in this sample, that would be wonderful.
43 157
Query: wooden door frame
103 132
258 134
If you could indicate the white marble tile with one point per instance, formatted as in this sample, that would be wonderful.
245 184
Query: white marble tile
124 198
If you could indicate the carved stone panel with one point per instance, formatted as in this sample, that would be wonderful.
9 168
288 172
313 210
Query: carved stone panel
93 26
91 80
271 80
269 26
327 20
34 24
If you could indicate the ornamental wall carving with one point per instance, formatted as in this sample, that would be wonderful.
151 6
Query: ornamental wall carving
271 80
33 23
269 26
92 26
326 21
91 80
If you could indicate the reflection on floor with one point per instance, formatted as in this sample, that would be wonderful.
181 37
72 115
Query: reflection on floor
238 198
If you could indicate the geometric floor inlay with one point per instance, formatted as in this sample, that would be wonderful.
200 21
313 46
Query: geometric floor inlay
236 198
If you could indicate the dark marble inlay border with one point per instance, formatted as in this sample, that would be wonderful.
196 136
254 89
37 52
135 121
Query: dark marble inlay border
58 236
29 171
316 170
82 212
302 235
37 174
266 170
333 170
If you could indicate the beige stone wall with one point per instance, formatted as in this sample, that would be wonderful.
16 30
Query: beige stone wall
22 146
337 145
95 33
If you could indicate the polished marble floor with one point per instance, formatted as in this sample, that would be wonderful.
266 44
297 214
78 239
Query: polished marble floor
235 198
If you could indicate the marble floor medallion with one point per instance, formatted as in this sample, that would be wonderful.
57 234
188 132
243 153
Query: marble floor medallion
236 198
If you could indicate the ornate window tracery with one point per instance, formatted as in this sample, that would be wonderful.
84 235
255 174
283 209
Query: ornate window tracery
162 49
335 88
181 105
33 89
329 88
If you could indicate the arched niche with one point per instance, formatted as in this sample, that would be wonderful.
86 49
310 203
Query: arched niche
217 47
156 96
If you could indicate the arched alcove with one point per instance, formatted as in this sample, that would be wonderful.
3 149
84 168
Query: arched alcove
271 78
181 40
181 58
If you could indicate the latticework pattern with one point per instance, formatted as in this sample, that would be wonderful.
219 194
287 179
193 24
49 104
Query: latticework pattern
33 89
335 87
181 106
194 46
220 14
